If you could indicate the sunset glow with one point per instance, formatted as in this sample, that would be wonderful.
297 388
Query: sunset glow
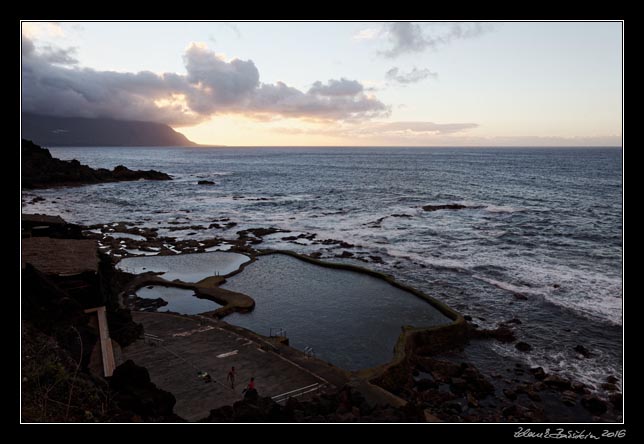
350 84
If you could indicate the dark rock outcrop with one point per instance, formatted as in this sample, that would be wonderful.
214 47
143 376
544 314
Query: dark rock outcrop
569 398
616 399
345 405
55 313
612 379
609 387
445 207
583 351
594 405
41 170
523 346
205 182
145 304
558 382
538 373
134 391
502 334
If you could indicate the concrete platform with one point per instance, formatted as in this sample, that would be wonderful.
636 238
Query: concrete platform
189 345
63 257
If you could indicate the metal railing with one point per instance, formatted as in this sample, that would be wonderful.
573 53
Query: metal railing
152 339
277 331
297 392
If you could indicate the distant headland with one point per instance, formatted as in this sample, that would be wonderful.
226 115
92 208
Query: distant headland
81 131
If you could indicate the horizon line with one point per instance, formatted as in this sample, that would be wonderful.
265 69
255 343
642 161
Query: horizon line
344 146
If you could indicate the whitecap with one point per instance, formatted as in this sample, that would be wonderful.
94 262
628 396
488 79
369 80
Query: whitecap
502 209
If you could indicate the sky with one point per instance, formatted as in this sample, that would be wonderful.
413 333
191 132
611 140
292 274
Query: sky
336 83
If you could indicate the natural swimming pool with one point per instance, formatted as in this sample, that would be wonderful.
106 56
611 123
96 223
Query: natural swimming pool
179 300
350 319
186 267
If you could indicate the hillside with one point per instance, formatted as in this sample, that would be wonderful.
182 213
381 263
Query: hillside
79 131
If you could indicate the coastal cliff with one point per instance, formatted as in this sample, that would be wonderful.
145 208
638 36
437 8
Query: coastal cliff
81 131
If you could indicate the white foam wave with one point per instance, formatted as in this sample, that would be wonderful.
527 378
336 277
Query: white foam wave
502 209
141 252
590 371
214 173
427 260
137 237
509 287
585 292
220 247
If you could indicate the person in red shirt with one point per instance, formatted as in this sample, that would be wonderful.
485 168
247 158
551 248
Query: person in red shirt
250 392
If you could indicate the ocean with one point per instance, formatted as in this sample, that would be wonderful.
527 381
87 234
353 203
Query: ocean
540 238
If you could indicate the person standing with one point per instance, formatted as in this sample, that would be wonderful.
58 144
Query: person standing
250 392
231 377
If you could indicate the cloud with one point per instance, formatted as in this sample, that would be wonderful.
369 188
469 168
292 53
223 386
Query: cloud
27 46
420 127
342 87
42 29
550 141
404 37
214 83
233 28
415 75
408 37
400 130
62 90
328 105
415 133
53 83
367 34
57 56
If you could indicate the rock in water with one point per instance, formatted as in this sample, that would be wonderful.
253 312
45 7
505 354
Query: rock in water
583 351
444 207
523 346
538 372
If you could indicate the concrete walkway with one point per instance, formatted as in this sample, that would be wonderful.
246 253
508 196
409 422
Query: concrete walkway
192 344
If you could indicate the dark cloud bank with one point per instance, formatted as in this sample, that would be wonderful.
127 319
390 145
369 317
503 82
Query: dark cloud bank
54 84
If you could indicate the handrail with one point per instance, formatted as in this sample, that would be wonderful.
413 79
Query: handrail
279 331
297 392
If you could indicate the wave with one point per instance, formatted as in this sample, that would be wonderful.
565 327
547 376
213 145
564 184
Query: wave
590 371
586 293
515 289
215 173
502 209
491 208
427 260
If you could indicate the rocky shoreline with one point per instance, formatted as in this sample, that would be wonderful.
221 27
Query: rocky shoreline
41 170
455 388
441 385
